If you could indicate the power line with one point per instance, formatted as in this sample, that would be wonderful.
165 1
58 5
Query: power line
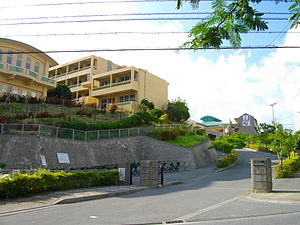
108 2
148 49
118 20
134 32
129 14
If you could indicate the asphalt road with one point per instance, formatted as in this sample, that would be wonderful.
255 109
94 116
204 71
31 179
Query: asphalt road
217 198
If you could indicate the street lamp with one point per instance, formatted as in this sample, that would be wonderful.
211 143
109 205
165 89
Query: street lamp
272 105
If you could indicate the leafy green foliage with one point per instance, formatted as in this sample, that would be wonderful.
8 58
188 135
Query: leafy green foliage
157 113
178 110
20 185
228 20
145 105
61 91
227 160
288 167
226 144
137 119
2 165
295 18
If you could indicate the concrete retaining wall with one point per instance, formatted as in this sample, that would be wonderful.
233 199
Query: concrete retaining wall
24 151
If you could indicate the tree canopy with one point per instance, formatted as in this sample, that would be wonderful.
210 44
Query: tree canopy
229 20
61 91
178 110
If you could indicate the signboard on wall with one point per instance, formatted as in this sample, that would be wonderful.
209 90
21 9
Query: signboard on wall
122 174
43 160
63 157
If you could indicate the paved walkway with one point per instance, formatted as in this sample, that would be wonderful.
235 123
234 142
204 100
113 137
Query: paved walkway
284 190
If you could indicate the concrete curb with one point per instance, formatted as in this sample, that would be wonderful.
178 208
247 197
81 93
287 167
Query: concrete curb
228 167
107 195
283 200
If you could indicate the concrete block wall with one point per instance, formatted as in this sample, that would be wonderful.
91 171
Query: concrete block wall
24 151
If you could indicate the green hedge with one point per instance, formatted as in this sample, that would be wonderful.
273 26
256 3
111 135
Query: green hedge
288 167
21 185
137 119
227 160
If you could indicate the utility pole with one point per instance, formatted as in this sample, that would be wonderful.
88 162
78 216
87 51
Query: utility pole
272 105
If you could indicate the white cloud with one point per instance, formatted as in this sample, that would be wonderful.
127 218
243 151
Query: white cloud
225 88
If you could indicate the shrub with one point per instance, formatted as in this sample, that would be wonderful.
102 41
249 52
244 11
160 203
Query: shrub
32 100
59 115
200 131
68 102
2 165
113 108
182 132
157 113
168 135
53 100
83 112
20 185
4 119
42 115
288 167
227 160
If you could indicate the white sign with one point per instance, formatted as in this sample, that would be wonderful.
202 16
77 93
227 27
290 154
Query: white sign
122 174
43 160
63 157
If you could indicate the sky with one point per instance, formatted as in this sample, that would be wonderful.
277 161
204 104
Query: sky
221 83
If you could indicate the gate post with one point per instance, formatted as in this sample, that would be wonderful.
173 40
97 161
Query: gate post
261 175
149 173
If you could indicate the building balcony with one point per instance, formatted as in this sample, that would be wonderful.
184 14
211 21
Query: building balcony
77 87
72 73
115 88
15 72
126 106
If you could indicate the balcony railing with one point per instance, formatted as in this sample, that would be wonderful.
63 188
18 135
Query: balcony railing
113 85
73 71
26 72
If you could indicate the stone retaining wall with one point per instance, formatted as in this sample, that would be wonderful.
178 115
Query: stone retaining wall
24 151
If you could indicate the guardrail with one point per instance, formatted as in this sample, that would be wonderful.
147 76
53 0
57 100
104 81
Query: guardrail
66 133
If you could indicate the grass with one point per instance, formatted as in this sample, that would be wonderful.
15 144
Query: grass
188 140
11 109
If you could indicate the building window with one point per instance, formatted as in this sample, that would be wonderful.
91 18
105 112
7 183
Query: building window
104 102
37 67
28 63
1 55
4 88
246 121
15 90
33 94
19 60
123 79
24 92
104 83
9 58
127 98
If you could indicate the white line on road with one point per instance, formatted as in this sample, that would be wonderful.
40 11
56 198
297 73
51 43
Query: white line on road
201 211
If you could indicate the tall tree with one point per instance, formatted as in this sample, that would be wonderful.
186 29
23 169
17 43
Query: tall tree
61 91
229 20
178 110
